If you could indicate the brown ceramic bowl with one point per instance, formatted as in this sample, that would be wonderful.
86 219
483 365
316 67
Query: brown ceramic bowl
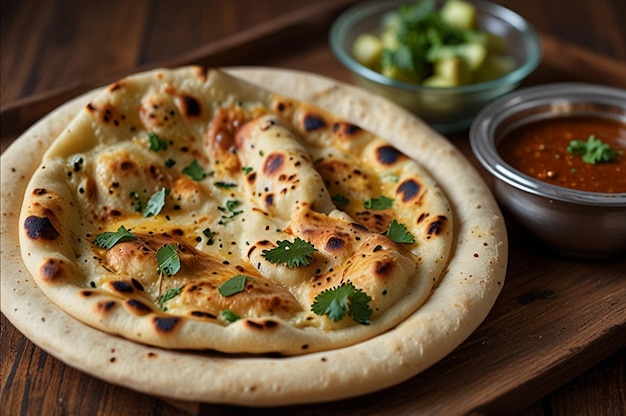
577 224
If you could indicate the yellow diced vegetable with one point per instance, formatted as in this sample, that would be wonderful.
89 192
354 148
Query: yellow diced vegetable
367 50
460 14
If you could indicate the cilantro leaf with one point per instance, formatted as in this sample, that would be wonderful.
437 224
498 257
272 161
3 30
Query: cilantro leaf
225 185
108 239
155 203
340 201
230 211
168 259
592 151
298 253
170 294
233 285
229 316
398 233
246 169
345 298
156 143
378 204
195 171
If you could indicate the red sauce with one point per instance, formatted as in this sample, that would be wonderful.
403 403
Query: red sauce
539 150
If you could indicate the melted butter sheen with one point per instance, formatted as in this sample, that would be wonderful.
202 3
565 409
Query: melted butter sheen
539 150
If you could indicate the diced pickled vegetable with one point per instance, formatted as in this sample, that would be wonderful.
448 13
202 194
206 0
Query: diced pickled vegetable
418 43
454 70
460 14
494 67
367 50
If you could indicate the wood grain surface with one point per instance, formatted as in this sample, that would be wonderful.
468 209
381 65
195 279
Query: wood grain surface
554 342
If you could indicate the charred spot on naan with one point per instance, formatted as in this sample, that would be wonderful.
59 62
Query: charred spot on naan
388 155
166 325
410 190
137 307
104 308
190 107
437 227
106 113
53 270
40 228
261 324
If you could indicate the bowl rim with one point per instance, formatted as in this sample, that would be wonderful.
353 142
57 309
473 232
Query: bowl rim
482 135
356 13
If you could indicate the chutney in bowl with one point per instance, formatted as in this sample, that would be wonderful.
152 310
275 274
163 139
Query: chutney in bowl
585 223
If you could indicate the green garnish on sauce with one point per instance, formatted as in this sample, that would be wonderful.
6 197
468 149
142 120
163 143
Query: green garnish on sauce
345 298
592 151
298 253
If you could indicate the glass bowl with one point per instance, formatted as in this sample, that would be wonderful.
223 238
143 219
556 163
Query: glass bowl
576 224
445 109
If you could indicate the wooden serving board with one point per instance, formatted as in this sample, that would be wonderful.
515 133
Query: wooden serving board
554 319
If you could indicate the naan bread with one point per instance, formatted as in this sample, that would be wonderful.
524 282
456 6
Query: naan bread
270 169
471 281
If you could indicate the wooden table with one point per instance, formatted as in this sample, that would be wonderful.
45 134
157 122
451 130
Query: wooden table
559 324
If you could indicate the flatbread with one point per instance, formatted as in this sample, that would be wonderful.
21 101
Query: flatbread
471 282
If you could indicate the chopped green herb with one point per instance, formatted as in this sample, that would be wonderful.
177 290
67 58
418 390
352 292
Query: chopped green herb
156 143
155 203
229 316
168 260
247 169
170 163
298 253
340 201
378 203
230 211
138 206
233 285
398 232
92 284
225 185
345 298
210 235
195 171
592 151
108 239
170 294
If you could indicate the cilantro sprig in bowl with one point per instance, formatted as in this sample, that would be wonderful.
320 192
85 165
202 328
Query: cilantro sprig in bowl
443 60
557 153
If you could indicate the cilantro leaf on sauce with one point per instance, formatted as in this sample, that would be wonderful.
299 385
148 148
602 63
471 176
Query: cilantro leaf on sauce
592 151
298 253
345 298
398 233
378 204
108 239
156 203
168 260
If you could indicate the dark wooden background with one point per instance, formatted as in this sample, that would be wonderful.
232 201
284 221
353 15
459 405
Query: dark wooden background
52 50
